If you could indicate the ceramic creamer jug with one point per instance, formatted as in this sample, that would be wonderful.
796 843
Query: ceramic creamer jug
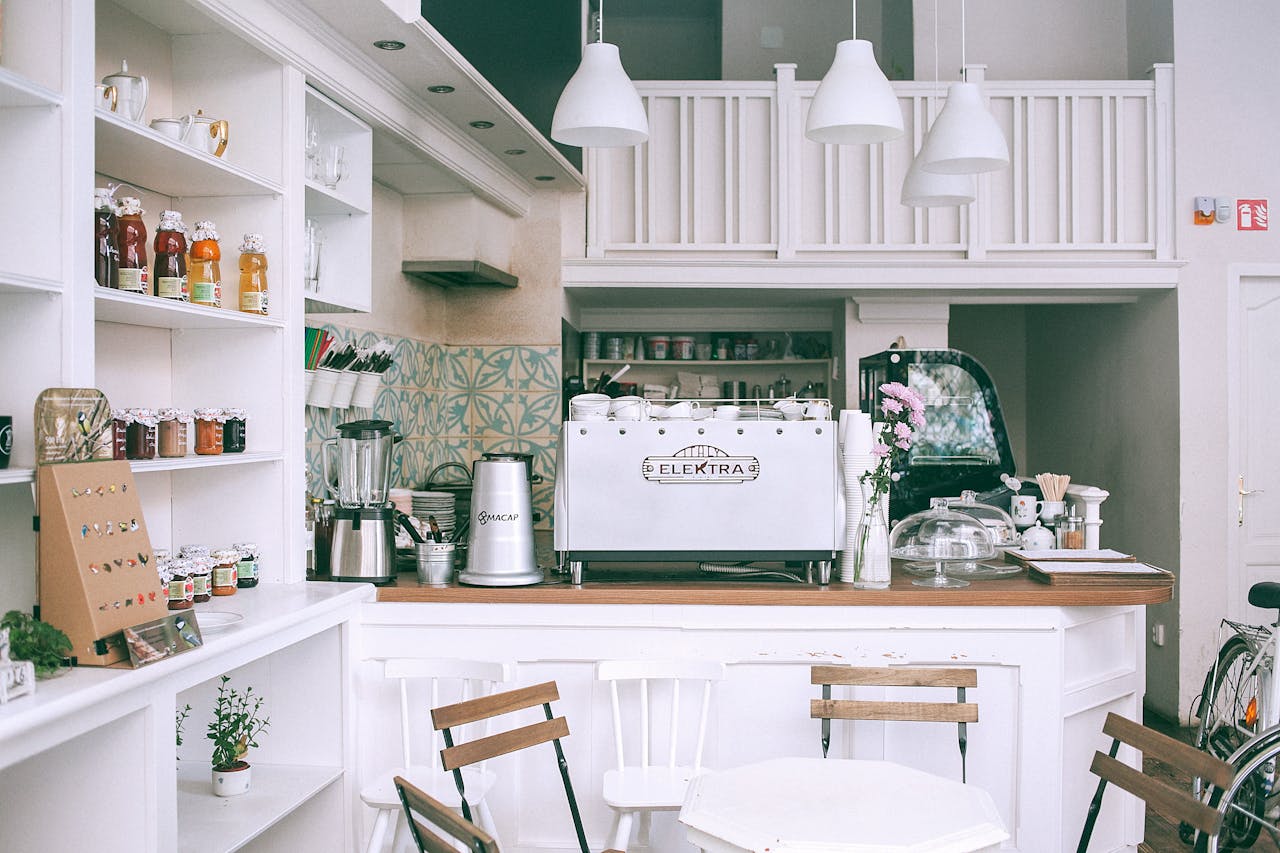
130 92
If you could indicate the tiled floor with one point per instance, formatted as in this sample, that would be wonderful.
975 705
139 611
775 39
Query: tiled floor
1161 835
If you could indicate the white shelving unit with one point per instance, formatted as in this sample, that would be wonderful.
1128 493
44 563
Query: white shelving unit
342 212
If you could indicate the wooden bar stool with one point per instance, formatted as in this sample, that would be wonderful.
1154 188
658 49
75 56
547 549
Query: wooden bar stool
959 712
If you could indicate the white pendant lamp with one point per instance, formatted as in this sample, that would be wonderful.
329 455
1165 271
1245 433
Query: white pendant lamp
854 104
930 189
965 138
600 107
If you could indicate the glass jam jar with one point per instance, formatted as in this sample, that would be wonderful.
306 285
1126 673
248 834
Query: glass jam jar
247 568
120 420
233 430
209 431
224 562
140 435
188 551
181 588
201 578
172 441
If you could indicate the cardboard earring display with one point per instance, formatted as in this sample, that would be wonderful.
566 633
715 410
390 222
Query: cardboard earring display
97 571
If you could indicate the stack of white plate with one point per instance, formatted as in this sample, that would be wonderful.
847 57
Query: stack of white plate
443 505
753 412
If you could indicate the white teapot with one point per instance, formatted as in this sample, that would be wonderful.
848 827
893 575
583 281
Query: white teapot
125 93
205 134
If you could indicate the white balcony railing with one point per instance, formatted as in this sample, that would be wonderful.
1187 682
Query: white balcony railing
727 169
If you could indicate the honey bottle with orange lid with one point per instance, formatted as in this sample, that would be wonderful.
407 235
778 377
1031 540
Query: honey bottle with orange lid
204 276
253 274
170 276
131 241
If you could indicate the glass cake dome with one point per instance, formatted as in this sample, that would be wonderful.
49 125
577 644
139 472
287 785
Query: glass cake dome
940 536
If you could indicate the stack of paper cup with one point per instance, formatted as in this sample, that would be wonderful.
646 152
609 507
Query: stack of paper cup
856 441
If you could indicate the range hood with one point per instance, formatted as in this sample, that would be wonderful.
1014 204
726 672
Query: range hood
458 273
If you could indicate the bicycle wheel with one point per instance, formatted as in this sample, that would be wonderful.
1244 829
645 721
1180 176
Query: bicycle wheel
1249 804
1228 713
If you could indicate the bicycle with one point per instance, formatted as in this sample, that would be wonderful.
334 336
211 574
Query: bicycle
1239 714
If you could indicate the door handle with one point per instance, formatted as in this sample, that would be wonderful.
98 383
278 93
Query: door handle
1241 494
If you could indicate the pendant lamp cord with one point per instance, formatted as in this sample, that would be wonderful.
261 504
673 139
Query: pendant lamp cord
600 22
964 68
855 18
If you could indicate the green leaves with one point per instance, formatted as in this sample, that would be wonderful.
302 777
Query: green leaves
236 724
38 642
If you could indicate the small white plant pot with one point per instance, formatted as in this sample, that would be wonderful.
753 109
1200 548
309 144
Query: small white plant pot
233 782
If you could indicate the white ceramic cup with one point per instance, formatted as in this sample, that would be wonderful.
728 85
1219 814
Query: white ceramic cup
728 412
589 404
817 410
170 128
629 409
1024 509
1050 510
681 411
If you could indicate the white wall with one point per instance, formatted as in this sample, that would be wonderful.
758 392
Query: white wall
1226 124
1025 39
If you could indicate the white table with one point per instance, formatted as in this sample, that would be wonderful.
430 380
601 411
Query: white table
816 805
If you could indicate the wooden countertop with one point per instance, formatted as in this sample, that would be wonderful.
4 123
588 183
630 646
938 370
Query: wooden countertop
1014 591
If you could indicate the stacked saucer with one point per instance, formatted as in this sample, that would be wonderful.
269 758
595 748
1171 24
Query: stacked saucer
443 505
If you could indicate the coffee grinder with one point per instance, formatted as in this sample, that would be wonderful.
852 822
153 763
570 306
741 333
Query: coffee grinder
364 520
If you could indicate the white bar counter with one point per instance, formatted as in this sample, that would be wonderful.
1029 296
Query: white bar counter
1051 661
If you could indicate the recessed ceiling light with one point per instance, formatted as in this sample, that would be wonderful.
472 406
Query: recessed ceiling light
388 44
545 178
514 152
481 125
439 90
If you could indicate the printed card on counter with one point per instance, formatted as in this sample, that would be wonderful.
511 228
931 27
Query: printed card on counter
1072 555
1098 573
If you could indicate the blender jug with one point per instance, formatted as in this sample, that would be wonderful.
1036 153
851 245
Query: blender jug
365 452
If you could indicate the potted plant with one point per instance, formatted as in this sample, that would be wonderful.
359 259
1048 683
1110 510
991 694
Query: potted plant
235 726
36 641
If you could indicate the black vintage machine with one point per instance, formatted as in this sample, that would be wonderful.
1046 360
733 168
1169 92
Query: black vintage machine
963 445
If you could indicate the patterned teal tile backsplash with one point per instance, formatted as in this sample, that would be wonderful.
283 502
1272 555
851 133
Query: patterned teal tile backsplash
454 403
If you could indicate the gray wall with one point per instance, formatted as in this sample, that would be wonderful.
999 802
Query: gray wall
1150 31
996 335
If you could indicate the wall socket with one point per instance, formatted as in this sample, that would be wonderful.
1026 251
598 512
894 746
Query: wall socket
1157 634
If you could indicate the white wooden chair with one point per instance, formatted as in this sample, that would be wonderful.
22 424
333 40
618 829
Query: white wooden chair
459 678
641 788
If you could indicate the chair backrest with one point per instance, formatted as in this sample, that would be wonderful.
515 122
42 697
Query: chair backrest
1173 802
434 826
456 755
453 676
960 712
648 675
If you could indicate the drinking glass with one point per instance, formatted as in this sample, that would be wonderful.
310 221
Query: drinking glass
312 245
333 165
312 148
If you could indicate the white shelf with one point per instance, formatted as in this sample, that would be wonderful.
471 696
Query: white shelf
218 824
134 153
17 283
672 362
18 91
322 201
16 476
218 460
326 304
137 309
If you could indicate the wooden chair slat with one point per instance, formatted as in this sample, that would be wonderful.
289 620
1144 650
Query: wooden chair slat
894 676
1173 803
504 742
1181 755
472 710
923 712
417 804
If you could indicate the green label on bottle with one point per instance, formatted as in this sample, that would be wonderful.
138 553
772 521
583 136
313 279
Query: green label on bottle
169 287
133 280
246 569
207 292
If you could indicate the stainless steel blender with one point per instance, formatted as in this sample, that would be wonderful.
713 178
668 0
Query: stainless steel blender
364 520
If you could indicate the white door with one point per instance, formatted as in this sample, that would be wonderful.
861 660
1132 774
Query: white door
1254 422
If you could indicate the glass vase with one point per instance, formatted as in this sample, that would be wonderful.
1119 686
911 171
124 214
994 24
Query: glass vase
871 561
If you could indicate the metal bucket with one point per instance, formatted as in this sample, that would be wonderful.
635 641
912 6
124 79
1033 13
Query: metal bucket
435 562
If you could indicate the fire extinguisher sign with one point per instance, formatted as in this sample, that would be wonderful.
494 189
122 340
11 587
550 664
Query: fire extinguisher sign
1251 214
